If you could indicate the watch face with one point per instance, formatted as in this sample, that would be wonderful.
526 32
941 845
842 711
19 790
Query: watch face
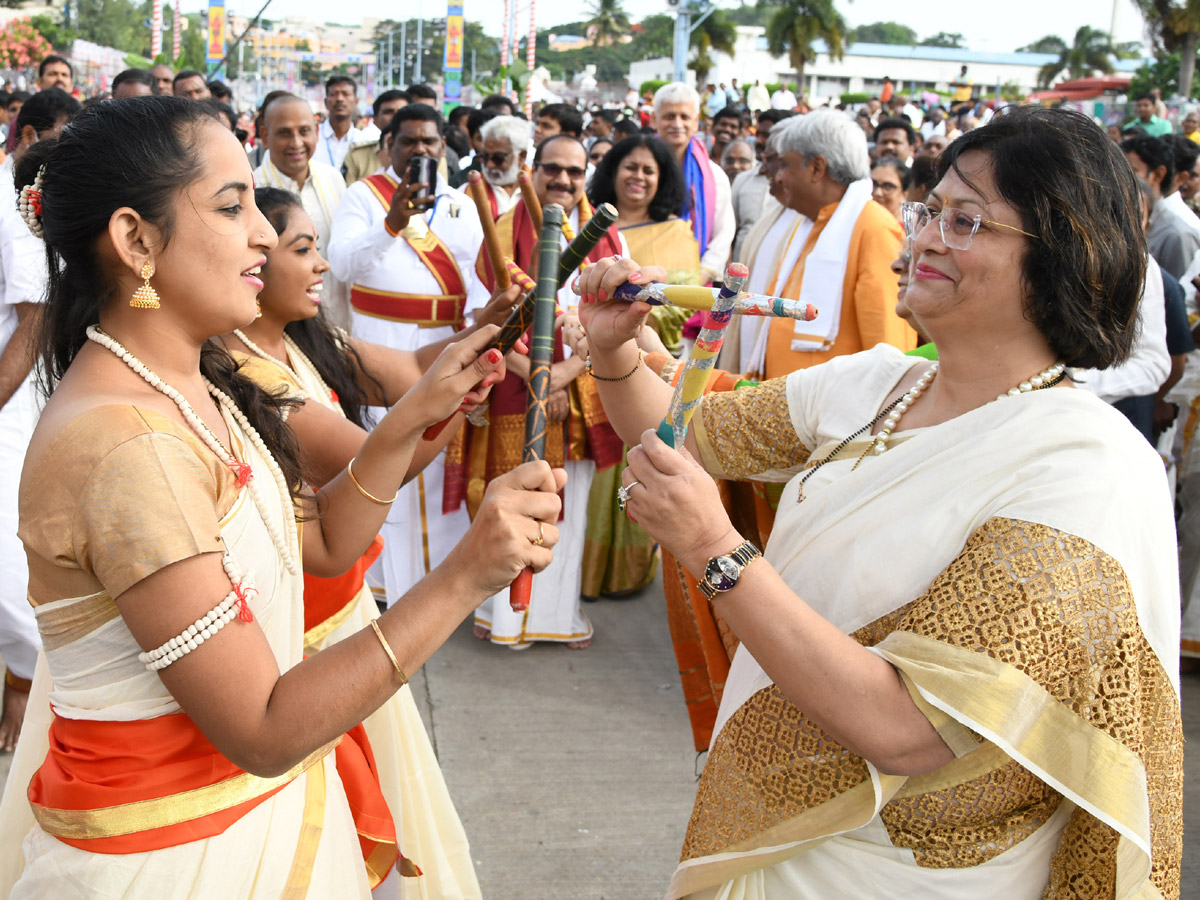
722 572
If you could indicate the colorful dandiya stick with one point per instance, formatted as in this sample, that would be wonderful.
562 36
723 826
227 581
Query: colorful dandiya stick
690 389
517 274
532 204
491 238
541 357
572 256
701 299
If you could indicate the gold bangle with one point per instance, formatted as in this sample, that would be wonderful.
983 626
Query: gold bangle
388 650
362 490
587 364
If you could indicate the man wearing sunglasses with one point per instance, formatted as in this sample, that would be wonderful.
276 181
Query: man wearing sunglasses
555 613
505 144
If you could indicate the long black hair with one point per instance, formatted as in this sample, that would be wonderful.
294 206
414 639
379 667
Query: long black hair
336 361
671 195
138 153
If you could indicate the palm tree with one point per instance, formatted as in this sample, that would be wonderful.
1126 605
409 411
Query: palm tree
795 24
715 33
1091 52
1175 25
609 20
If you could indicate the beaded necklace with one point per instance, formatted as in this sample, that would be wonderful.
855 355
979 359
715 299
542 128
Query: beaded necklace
898 407
287 545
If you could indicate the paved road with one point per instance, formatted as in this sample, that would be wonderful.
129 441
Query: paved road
573 770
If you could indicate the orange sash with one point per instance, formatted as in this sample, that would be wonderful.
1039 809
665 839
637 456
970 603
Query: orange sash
423 310
327 601
129 787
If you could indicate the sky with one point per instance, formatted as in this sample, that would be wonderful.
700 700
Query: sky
1022 21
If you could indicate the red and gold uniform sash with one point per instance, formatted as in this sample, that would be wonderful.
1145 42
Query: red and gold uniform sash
130 787
422 310
494 449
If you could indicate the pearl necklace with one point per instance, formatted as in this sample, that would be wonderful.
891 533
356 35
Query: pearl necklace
909 398
1044 379
287 545
295 353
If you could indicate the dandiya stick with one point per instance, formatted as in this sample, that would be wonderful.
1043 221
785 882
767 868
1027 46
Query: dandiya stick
524 282
541 357
491 239
690 389
569 260
701 299
532 204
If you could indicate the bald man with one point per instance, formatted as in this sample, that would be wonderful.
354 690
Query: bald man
290 136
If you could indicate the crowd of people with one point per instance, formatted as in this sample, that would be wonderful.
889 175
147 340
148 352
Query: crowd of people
919 550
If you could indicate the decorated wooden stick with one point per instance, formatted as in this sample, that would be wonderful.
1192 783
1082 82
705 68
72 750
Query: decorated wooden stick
524 282
491 239
532 204
690 389
541 357
569 260
702 299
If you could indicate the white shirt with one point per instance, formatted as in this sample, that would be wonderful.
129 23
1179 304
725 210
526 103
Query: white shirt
504 200
362 252
783 99
320 195
757 98
915 116
331 149
929 129
22 259
1148 364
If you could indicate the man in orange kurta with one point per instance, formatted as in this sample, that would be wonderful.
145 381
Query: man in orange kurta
823 165
846 242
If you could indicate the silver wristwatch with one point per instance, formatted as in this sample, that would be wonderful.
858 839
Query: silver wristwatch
722 572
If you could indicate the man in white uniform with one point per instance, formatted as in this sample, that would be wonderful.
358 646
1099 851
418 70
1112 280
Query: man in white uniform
412 281
290 135
22 288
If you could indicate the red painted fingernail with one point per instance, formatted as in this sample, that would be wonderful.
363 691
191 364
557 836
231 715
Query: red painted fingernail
494 356
634 276
602 296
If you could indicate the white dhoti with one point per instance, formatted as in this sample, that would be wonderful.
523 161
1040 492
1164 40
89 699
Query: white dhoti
19 639
555 612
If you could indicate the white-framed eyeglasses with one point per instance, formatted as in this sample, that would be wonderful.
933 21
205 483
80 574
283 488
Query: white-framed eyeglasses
956 227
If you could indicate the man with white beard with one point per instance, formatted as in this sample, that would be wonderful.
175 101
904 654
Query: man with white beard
505 145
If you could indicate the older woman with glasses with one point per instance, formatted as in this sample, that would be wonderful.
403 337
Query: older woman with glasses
931 699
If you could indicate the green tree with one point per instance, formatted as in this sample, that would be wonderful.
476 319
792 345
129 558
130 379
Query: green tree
1091 52
609 20
114 23
714 33
1051 43
795 24
884 33
1174 26
953 40
59 36
1161 73
749 14
654 36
